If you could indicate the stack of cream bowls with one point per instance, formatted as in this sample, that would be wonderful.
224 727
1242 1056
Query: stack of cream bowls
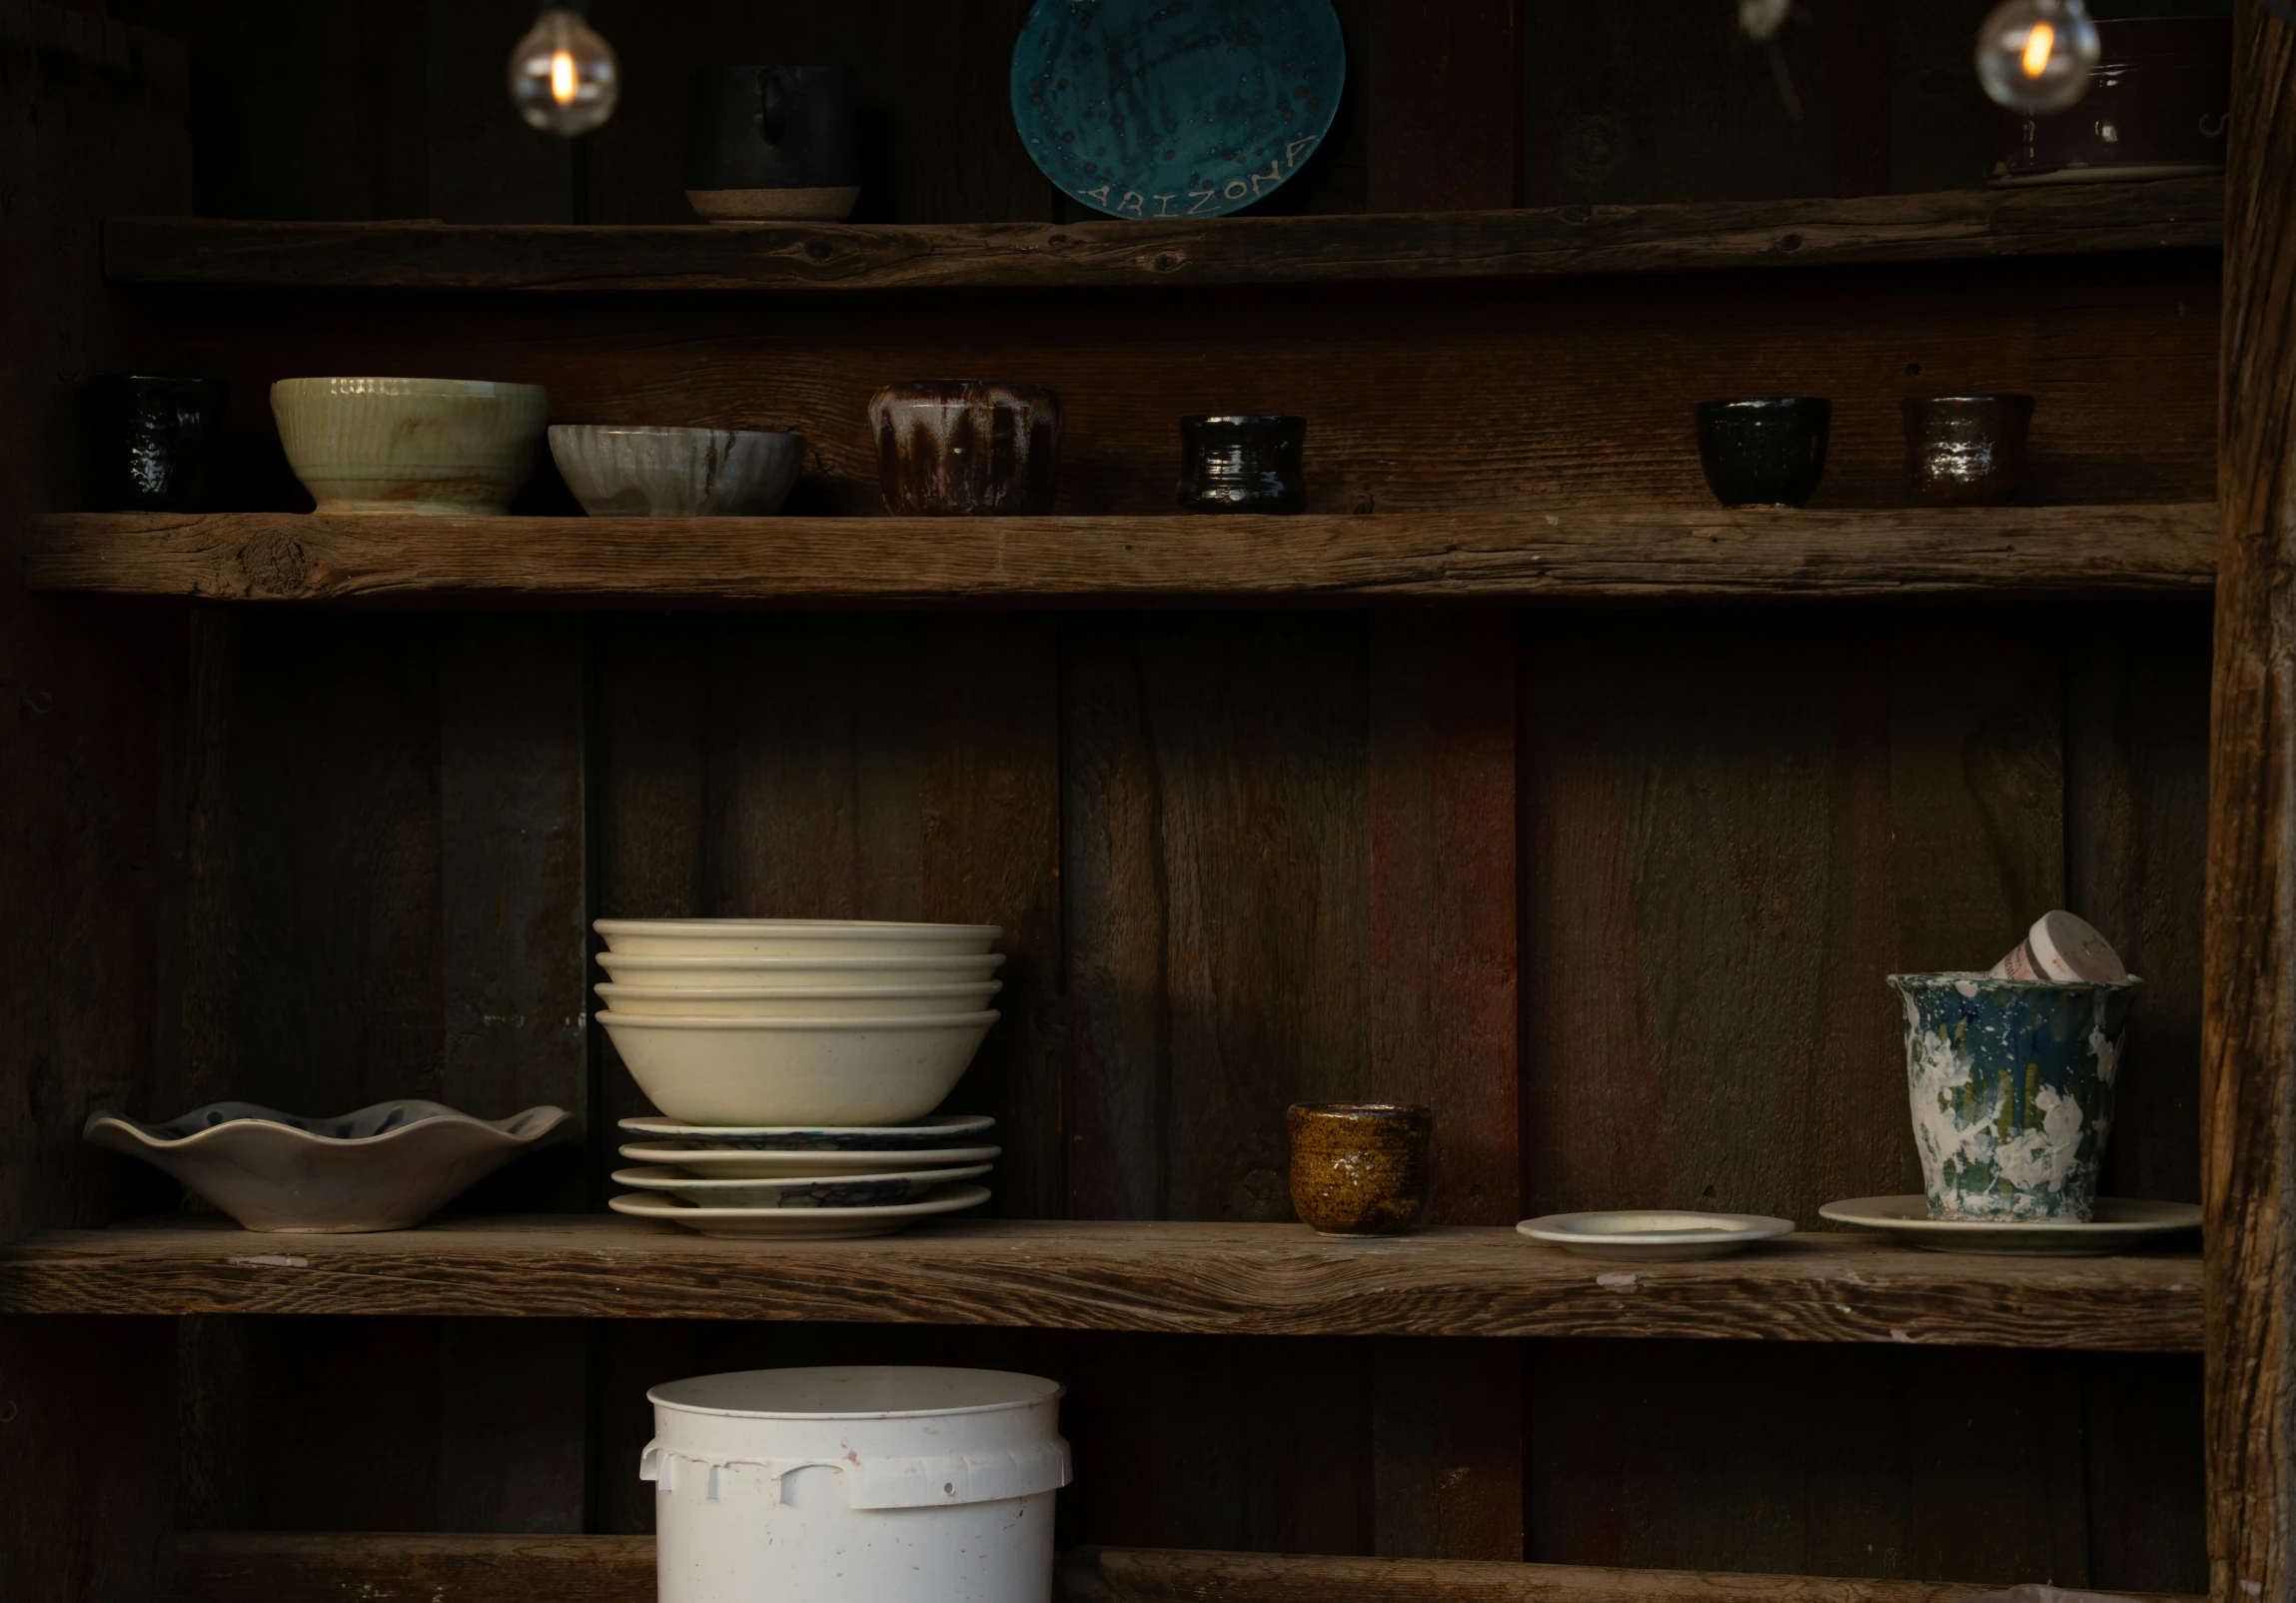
796 1063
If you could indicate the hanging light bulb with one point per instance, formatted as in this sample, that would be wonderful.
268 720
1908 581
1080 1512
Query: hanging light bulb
2035 55
564 77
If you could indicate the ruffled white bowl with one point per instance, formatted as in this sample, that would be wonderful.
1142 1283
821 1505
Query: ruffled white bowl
386 1168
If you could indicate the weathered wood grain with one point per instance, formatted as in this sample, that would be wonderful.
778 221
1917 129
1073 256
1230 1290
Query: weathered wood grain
1211 1278
1576 395
1444 81
277 556
1447 1415
514 889
2248 1009
1955 225
1642 100
1821 1462
338 1567
2137 828
1112 1575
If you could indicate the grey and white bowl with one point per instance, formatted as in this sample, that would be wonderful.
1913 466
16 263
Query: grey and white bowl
625 470
386 1168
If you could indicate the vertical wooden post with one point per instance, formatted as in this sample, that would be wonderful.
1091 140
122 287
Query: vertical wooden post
2248 1031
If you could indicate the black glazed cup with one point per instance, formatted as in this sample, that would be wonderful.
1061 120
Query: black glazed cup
772 127
1763 453
1965 449
1232 462
154 441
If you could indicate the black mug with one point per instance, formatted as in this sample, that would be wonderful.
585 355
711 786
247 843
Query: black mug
155 441
1242 462
772 129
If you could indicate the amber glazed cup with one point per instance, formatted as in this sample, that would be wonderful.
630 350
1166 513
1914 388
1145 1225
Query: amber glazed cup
1359 1168
1965 449
962 448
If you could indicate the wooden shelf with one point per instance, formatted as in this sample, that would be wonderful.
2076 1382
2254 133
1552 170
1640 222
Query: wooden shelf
1523 556
1218 1278
2171 214
325 1567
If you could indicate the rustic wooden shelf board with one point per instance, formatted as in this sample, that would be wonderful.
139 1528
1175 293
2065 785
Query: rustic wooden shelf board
1512 556
1948 226
1266 1278
325 1567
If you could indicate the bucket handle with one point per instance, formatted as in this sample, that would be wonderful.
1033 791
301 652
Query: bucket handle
943 1482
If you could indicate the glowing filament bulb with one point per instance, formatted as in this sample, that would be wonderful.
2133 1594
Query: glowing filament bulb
2039 44
564 77
2035 56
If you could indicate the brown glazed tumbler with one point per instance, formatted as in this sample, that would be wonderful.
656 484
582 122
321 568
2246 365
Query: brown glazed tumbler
1359 1168
1965 449
957 449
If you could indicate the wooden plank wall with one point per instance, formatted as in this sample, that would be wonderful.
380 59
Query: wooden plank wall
91 781
1611 888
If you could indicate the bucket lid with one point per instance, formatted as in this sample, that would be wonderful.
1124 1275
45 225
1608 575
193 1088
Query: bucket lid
860 1391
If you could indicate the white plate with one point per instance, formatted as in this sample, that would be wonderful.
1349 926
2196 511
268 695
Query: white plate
934 1129
734 1164
1655 1235
820 1224
2120 1224
793 1002
792 938
798 1191
626 969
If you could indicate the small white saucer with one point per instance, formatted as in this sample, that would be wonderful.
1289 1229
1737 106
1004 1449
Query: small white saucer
1653 1236
712 1163
819 1224
2120 1225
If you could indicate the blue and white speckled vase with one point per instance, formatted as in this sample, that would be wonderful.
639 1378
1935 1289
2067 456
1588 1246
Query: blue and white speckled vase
2011 1083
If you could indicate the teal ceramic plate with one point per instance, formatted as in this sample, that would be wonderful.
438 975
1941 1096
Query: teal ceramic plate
1146 108
1655 1235
2121 1225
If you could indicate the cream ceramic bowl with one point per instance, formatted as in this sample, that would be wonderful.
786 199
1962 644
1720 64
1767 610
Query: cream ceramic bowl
788 1001
629 470
796 1070
792 938
734 974
443 446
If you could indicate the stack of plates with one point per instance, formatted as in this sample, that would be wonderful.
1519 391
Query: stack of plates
796 1063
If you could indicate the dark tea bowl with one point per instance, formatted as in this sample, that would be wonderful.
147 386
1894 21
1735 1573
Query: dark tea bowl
1359 1168
1966 449
1765 453
1242 462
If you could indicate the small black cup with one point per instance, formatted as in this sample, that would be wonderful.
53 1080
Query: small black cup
1769 452
772 128
1242 463
155 441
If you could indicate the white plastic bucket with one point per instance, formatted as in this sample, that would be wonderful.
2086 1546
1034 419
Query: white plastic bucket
871 1484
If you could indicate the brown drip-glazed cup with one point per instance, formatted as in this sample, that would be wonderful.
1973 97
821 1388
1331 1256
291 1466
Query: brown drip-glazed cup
1966 449
962 448
1359 1168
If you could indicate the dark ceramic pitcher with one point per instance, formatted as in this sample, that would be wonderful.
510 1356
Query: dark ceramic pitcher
155 441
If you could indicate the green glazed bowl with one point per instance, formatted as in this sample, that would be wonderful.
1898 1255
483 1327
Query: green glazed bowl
2011 1083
